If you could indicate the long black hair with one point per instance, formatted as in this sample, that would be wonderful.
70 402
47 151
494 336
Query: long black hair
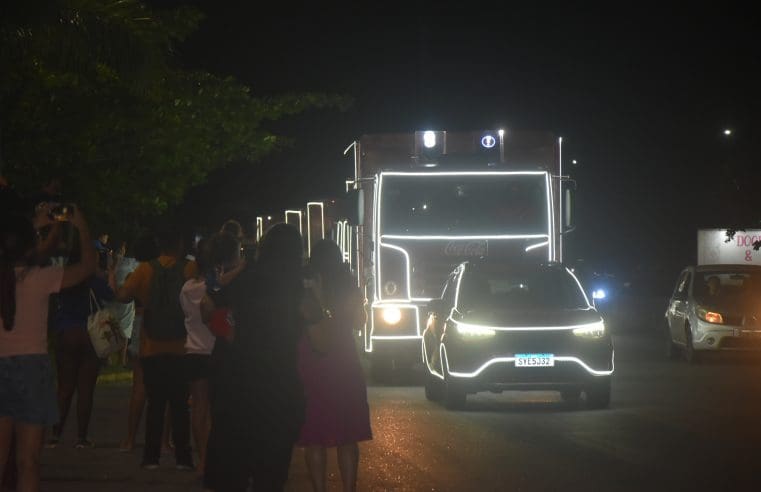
326 260
17 238
281 249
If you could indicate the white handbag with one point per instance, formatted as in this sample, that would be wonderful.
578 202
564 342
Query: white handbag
103 328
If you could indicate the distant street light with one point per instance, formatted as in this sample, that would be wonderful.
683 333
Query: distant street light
727 132
574 162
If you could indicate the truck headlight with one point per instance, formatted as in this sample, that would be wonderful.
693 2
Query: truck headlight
391 315
710 316
474 330
592 330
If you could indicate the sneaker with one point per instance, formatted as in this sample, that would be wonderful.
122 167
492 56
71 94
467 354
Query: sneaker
149 466
185 467
84 444
52 442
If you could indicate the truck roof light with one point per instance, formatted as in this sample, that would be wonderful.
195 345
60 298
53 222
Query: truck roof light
488 141
429 139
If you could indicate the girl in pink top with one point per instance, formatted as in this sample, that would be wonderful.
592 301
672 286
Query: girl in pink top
27 395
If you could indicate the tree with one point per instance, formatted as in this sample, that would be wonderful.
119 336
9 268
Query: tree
91 93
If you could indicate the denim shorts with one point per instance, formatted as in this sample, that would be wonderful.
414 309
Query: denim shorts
27 392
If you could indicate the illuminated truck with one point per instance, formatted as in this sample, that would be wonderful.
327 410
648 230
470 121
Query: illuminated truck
427 201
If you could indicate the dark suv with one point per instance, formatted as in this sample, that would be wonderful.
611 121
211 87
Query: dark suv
516 327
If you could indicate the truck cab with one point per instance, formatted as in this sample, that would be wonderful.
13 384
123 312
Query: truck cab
427 201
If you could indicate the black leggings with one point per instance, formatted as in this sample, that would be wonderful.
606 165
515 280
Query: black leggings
78 368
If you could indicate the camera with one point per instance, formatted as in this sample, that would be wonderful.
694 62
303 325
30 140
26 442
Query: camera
61 212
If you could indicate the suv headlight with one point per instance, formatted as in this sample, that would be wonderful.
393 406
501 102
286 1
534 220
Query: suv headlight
592 330
710 316
474 330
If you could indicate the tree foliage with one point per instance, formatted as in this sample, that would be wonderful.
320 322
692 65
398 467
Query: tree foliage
91 93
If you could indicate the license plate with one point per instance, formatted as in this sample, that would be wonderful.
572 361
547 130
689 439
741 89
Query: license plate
534 360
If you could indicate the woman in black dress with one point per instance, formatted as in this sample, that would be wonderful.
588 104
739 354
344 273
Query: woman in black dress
258 406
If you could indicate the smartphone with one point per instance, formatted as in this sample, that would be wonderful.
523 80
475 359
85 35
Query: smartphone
61 212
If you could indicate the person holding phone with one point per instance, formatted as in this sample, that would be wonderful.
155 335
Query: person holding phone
27 395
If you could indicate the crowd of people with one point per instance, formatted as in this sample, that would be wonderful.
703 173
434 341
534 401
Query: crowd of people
239 357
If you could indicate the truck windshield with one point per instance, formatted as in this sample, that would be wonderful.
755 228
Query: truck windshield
542 288
465 204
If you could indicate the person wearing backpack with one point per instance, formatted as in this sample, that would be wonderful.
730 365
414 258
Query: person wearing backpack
157 284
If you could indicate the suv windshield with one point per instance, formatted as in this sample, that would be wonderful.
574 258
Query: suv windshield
464 204
540 288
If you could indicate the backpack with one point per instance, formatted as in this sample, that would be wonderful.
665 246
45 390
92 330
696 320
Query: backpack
164 319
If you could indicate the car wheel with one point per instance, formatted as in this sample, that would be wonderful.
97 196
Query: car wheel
433 387
690 354
598 394
672 351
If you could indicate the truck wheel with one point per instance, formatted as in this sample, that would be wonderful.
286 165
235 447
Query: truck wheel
380 368
598 394
433 387
672 352
691 355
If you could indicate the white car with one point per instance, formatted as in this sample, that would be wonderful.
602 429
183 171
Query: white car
714 308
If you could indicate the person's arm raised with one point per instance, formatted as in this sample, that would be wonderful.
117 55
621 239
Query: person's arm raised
75 274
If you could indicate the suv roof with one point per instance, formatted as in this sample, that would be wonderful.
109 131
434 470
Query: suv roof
506 266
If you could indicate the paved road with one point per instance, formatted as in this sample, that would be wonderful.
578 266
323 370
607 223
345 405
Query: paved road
671 427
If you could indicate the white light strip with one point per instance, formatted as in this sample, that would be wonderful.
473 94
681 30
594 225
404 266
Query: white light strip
348 244
259 228
377 187
407 259
357 255
498 360
294 212
395 337
339 234
309 225
381 305
425 361
378 194
560 197
457 290
550 218
528 328
465 173
538 245
495 236
580 288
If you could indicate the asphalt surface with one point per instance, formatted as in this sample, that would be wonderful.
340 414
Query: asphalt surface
671 426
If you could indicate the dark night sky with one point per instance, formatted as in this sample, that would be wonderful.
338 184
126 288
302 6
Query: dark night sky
639 95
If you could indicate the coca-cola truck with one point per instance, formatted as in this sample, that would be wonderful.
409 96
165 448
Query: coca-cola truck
426 201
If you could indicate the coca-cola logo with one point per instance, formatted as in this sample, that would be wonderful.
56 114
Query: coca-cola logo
466 248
